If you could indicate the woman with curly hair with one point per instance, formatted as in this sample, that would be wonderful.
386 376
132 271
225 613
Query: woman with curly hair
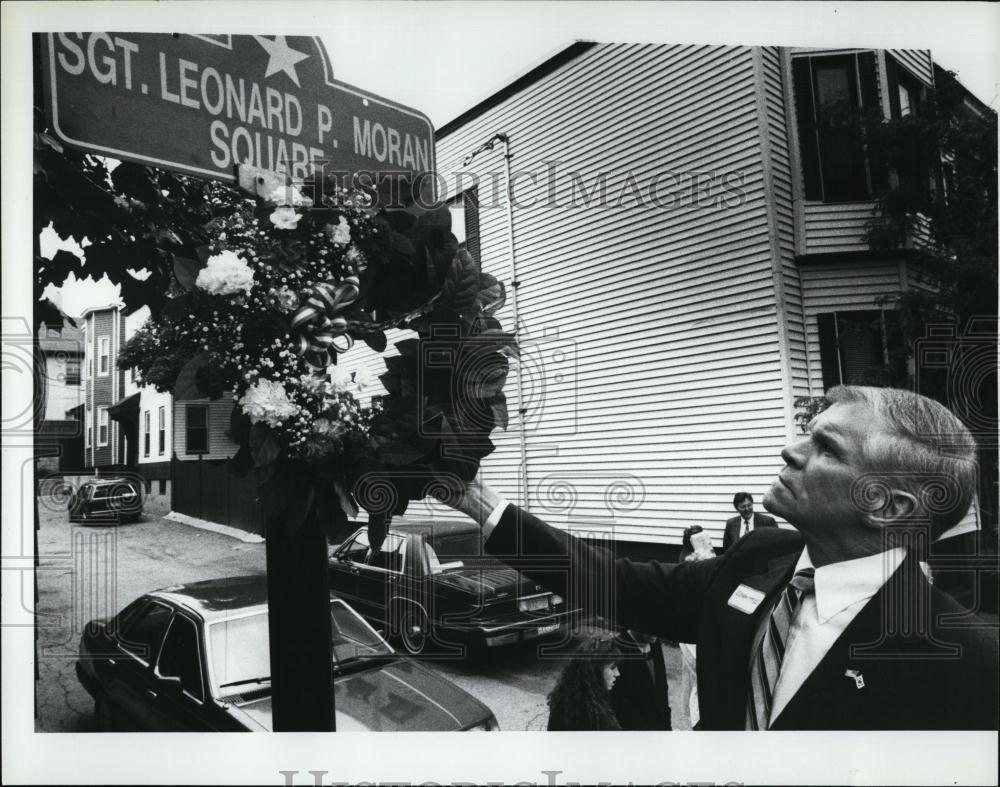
581 699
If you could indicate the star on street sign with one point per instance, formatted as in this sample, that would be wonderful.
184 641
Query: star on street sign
281 57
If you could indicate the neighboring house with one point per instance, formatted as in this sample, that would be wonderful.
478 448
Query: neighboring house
105 443
688 258
59 438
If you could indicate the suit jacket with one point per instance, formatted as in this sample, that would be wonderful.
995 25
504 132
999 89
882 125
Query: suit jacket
734 525
923 662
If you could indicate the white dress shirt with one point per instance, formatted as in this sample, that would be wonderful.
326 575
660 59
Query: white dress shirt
842 589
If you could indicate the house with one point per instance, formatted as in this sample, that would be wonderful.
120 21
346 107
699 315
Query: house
105 444
685 256
59 437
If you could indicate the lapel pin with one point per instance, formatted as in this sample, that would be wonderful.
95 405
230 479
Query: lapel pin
859 679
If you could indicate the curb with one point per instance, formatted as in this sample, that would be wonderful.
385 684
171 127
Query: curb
215 527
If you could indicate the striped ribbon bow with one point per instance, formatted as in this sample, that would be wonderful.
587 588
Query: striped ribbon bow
319 322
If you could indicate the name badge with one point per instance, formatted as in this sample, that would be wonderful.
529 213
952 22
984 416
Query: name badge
746 599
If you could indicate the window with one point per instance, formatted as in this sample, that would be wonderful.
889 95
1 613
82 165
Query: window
142 635
390 556
145 433
161 441
89 421
357 549
72 371
180 657
104 354
861 348
162 483
465 219
197 429
102 426
832 94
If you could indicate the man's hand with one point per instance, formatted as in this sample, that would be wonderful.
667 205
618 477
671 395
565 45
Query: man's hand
477 500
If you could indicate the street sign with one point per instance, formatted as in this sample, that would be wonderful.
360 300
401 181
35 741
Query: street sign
201 104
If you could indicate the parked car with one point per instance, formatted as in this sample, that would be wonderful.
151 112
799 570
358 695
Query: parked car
430 585
195 657
107 501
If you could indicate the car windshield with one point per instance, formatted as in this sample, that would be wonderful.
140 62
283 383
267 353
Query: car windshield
240 656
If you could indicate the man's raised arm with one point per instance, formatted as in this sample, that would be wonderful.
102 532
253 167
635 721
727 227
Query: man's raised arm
653 597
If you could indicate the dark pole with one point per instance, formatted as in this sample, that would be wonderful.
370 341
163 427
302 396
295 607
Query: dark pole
298 597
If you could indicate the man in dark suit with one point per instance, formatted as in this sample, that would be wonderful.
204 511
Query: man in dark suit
745 521
831 627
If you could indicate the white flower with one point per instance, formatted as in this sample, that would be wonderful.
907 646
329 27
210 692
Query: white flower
341 378
285 218
341 233
325 426
288 195
363 378
267 401
225 273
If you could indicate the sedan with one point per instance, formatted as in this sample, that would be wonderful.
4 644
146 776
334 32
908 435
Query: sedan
431 586
195 657
102 501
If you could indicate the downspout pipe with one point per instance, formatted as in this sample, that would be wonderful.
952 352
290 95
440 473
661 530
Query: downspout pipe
515 285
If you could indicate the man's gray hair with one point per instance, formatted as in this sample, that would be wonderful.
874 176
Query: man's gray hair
925 449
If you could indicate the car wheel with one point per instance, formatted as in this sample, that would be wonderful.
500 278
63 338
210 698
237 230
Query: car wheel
414 630
105 715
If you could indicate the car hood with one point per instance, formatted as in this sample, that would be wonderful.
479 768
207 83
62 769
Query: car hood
400 696
493 582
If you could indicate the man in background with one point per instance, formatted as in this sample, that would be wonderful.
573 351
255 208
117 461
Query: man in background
745 521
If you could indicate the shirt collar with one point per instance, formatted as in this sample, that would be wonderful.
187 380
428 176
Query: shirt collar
841 585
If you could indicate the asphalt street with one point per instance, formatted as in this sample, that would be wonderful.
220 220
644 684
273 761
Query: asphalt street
86 572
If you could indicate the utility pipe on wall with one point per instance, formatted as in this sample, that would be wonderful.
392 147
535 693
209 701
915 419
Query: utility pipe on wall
515 284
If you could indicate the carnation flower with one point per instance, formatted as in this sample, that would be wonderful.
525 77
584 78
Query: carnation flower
328 428
285 218
288 195
285 299
267 402
341 232
225 273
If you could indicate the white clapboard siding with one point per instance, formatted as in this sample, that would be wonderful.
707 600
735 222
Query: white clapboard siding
917 61
836 227
845 286
220 445
651 355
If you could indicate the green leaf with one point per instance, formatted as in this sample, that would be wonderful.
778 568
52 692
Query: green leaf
178 308
492 294
186 387
407 348
187 271
242 462
377 341
347 503
498 405
264 445
395 453
461 285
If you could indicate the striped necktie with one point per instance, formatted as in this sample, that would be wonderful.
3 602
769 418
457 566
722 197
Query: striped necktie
765 661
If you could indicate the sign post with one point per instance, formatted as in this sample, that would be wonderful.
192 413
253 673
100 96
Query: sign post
204 105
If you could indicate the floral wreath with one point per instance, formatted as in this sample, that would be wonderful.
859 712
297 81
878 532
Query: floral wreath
287 283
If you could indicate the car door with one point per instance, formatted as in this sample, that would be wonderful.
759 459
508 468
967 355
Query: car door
181 702
379 578
345 567
128 681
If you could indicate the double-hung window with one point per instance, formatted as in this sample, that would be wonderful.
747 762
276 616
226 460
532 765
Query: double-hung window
196 429
834 95
161 431
104 354
145 433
